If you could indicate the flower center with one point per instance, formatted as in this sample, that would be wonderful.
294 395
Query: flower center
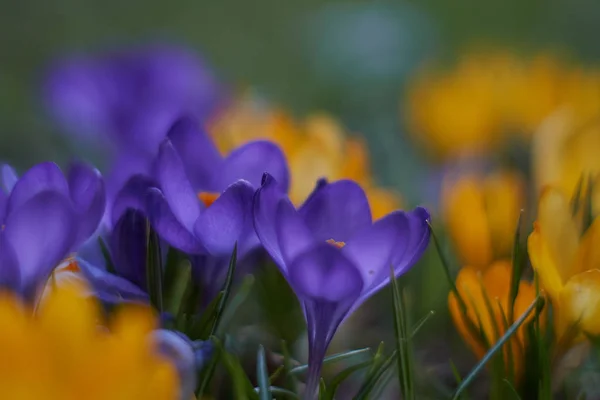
339 245
208 198
68 264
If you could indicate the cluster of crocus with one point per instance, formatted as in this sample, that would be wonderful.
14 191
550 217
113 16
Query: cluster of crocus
315 148
170 188
489 96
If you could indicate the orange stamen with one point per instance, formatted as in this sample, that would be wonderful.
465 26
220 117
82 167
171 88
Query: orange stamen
70 264
339 245
208 198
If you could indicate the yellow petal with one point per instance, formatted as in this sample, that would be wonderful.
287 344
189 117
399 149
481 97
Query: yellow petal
580 301
466 219
544 264
504 199
558 230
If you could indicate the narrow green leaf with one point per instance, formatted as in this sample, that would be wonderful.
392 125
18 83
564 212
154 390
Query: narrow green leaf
154 272
375 375
207 374
176 282
342 376
588 214
512 390
200 326
240 298
226 290
262 374
497 346
242 386
290 379
518 265
282 392
576 199
332 359
421 322
405 367
276 373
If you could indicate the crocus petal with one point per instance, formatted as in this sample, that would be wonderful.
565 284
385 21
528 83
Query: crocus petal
46 176
41 231
167 225
558 230
396 240
89 198
337 211
588 252
170 174
324 273
543 263
251 161
221 224
580 301
294 236
111 288
198 153
131 196
10 275
128 247
9 177
265 204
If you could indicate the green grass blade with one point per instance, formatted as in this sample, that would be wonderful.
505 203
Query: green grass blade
402 338
332 359
341 377
226 290
283 392
375 375
518 265
108 262
497 346
421 322
154 272
240 298
262 375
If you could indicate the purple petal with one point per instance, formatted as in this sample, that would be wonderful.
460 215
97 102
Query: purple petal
293 235
222 224
41 231
89 198
170 175
131 196
128 247
167 225
111 288
178 349
336 211
46 176
198 153
392 241
10 275
251 161
323 273
265 205
9 177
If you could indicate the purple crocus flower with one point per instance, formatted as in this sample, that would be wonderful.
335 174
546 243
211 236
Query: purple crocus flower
332 254
45 216
203 201
129 98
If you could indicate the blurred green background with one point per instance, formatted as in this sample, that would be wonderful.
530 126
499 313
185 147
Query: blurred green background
350 58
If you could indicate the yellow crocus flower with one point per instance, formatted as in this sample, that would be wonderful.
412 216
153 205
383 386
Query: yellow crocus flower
481 216
62 352
567 263
494 284
316 148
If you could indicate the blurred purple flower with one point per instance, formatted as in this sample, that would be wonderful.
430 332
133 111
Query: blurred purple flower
45 216
332 254
129 98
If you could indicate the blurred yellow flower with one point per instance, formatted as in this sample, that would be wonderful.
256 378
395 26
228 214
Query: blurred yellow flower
481 215
63 353
317 148
566 148
567 263
485 99
454 112
477 288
